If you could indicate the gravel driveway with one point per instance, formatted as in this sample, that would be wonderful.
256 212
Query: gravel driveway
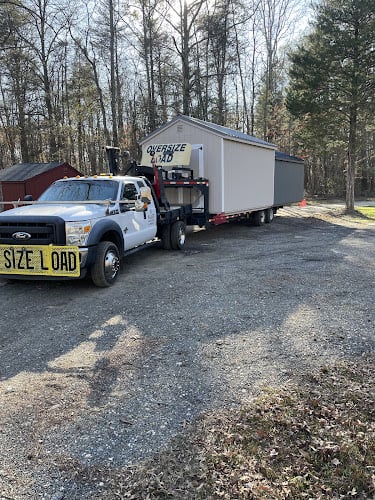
108 376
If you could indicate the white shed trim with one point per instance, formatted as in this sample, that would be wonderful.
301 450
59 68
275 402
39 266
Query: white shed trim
222 174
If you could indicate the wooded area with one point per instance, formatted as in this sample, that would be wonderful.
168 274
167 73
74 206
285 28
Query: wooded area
76 76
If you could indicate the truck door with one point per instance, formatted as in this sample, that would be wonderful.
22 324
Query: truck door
138 226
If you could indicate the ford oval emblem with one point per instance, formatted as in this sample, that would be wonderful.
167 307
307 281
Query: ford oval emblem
20 235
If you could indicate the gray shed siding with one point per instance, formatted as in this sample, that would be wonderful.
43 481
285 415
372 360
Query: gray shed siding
289 179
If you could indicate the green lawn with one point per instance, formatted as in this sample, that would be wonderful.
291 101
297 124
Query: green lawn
367 211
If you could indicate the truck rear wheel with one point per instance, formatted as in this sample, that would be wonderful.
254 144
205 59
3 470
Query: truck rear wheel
166 236
178 235
106 267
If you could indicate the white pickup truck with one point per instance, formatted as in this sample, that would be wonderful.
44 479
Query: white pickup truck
86 225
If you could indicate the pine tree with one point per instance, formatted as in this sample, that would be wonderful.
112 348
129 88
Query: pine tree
333 73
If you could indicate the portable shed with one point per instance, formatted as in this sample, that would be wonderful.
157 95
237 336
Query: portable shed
240 168
31 178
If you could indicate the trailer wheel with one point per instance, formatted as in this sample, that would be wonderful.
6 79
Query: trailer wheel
269 215
106 267
259 218
166 236
178 235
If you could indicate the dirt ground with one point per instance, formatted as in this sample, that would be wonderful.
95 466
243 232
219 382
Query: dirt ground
109 376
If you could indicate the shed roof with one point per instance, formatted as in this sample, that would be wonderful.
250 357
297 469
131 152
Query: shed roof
219 129
23 171
285 157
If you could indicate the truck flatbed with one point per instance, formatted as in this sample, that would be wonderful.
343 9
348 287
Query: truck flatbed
180 212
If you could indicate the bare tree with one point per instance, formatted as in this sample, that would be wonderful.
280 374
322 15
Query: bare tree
150 38
82 39
47 28
276 23
184 42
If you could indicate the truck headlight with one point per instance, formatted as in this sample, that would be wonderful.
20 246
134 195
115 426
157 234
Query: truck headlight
77 232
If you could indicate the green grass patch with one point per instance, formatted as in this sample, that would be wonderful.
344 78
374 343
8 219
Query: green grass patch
368 212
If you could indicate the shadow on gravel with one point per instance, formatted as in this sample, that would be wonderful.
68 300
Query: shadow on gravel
110 375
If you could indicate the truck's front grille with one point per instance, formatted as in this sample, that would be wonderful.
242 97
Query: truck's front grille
42 230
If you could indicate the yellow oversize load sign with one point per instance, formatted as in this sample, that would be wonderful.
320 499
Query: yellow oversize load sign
166 155
43 260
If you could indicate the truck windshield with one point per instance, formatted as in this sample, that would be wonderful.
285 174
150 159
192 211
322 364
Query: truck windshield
81 191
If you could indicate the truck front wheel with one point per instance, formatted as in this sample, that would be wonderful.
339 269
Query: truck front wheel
106 267
178 235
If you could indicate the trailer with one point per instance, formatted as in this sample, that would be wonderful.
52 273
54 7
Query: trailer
226 175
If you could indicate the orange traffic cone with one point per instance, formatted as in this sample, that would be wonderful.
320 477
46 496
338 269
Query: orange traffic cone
302 203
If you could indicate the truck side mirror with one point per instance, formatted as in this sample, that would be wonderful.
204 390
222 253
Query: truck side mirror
139 205
146 195
28 197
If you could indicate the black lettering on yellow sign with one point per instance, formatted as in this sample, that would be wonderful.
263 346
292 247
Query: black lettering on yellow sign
162 148
167 154
42 266
19 258
39 260
64 261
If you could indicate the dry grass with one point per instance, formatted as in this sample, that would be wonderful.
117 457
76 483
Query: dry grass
351 219
315 440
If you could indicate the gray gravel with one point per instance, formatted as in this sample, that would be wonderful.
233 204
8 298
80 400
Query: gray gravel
108 376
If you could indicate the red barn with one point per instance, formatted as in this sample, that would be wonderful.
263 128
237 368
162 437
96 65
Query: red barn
31 178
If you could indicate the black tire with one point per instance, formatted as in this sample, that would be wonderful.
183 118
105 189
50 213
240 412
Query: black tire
166 236
259 218
106 268
178 235
269 215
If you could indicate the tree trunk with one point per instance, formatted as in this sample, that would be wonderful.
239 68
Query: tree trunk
185 63
113 49
352 158
148 50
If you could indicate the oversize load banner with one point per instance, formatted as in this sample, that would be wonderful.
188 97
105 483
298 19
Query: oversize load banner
166 155
43 260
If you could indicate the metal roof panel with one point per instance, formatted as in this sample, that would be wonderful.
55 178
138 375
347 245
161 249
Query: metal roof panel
24 171
219 129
